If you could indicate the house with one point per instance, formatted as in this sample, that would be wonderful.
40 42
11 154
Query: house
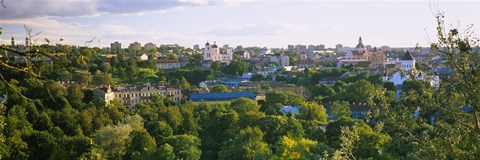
168 64
220 96
142 57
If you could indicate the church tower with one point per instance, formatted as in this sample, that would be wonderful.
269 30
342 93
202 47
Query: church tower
408 62
13 42
207 54
27 42
360 47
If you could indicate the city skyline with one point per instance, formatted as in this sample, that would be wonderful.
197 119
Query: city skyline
273 24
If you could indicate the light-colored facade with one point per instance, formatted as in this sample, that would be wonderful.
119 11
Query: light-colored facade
142 57
376 58
131 96
407 64
282 60
212 53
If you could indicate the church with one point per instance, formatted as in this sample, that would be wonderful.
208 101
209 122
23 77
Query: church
212 53
406 70
363 57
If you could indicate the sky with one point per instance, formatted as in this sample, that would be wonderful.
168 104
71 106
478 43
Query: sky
262 23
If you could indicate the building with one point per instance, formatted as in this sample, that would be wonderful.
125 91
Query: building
212 53
132 95
142 57
282 60
363 56
220 96
168 64
116 46
150 46
407 65
135 46
338 47
196 47
105 94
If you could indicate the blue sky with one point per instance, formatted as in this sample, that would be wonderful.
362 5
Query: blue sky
263 23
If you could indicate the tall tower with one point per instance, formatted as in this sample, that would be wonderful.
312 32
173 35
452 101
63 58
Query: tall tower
360 47
13 41
27 42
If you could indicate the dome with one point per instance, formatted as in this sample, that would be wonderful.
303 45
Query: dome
214 46
360 44
207 44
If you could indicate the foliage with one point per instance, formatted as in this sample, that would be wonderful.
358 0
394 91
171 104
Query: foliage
219 88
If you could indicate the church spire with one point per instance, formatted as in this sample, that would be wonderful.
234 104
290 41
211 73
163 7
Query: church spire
13 41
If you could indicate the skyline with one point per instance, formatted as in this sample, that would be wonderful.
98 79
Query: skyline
272 24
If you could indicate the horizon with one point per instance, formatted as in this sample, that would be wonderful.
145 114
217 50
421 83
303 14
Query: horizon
276 24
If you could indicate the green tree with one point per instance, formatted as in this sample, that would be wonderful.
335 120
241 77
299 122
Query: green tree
219 88
313 112
236 68
185 146
75 96
215 66
340 109
141 146
248 144
113 139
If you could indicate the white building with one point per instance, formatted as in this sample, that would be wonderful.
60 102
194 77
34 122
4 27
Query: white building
283 60
131 96
407 65
142 57
212 53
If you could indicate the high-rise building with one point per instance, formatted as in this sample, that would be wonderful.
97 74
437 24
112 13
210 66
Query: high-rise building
115 47
196 47
150 46
321 47
338 46
135 46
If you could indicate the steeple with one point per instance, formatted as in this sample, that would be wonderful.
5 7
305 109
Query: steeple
360 44
13 41
27 42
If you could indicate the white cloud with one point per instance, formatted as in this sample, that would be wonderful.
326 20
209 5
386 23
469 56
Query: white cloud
76 8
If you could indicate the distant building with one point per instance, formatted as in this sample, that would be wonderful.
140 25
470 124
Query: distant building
407 64
116 46
196 47
135 46
168 64
132 95
291 48
338 47
320 47
142 57
212 53
363 57
150 46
